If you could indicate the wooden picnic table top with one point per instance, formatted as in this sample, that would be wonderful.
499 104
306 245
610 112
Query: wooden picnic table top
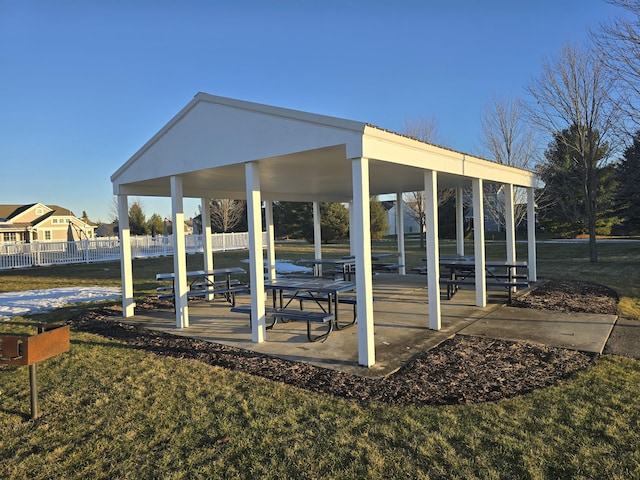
203 273
313 284
325 261
454 261
487 264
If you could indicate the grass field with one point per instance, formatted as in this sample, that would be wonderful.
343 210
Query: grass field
112 411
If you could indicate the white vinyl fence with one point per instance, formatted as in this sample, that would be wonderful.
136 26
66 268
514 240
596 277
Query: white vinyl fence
20 255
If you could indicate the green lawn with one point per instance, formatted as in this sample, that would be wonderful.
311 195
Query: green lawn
112 411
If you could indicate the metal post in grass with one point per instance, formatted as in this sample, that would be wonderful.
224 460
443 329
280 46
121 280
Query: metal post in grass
33 382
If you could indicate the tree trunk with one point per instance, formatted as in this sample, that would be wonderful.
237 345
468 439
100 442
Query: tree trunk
592 209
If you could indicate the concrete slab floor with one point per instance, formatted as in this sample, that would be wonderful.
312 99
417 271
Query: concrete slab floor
401 327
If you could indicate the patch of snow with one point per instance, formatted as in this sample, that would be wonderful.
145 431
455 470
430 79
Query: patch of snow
286 266
39 301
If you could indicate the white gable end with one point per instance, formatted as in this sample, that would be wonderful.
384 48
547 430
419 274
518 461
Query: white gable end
209 134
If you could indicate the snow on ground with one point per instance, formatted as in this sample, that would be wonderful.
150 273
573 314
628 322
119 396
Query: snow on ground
29 302
39 301
285 266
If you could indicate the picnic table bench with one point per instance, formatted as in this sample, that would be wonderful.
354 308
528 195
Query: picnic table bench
290 314
386 267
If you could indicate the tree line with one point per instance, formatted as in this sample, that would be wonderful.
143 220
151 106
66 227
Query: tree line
291 219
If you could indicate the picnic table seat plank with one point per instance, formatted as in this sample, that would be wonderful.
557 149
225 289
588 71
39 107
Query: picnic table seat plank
346 299
386 267
295 315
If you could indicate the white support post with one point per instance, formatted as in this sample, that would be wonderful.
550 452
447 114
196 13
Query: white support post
180 286
362 244
460 221
531 235
509 218
256 261
478 242
510 228
271 241
352 248
317 235
432 245
126 269
207 247
400 232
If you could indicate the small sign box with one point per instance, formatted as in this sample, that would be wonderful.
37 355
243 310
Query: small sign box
31 349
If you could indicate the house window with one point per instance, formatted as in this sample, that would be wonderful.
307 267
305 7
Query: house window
54 220
47 234
38 211
9 236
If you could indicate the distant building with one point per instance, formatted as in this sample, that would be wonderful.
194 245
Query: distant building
42 223
409 223
107 230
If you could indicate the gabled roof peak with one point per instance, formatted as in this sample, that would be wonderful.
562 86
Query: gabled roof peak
280 111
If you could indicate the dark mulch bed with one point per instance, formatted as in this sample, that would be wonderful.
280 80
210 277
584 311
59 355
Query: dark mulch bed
568 296
461 370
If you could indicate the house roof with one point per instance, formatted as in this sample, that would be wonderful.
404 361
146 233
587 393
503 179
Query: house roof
302 156
63 212
9 211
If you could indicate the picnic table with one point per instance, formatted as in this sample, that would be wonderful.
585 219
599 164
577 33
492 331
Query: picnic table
203 284
342 266
345 266
320 290
500 273
380 266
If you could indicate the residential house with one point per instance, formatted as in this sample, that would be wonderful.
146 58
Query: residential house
409 222
43 223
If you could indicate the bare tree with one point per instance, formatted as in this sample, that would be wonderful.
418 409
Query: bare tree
425 130
573 91
227 213
618 44
508 139
113 210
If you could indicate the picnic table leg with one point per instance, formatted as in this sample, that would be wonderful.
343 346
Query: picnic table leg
336 320
321 337
274 295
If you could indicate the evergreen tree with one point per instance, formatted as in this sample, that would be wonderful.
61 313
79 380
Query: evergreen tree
137 220
155 224
628 193
291 219
378 218
334 222
295 220
577 194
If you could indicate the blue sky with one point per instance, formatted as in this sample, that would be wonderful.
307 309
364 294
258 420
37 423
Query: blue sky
84 84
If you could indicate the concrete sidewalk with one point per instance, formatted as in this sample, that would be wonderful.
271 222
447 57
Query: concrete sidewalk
401 327
579 331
